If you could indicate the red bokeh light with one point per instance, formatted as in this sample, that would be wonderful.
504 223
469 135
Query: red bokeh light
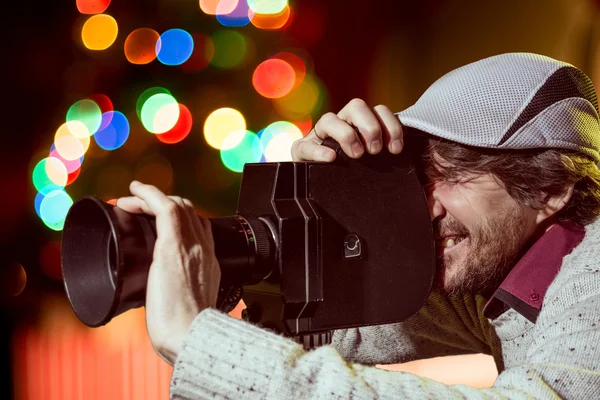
274 78
181 129
92 6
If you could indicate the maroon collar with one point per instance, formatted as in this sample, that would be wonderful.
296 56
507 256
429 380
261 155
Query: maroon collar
525 286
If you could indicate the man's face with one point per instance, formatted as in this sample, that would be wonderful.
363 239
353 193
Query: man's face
489 230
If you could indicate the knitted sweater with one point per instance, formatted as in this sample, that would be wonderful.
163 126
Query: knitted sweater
557 357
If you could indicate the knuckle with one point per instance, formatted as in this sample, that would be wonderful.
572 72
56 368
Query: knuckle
371 131
171 207
357 103
382 107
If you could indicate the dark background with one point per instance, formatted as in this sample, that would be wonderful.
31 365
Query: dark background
382 51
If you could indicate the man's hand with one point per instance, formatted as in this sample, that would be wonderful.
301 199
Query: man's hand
355 128
184 276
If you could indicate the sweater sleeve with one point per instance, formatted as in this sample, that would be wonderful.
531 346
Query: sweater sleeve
444 326
227 358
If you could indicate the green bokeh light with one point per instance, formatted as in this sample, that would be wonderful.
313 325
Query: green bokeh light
230 48
247 151
267 6
42 179
146 94
156 105
54 209
87 112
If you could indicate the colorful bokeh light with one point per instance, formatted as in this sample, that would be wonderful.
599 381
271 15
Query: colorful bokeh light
204 51
181 129
230 48
49 174
273 78
213 7
220 124
69 146
116 132
301 101
272 21
160 113
54 208
71 165
267 6
174 47
88 113
105 104
240 16
276 140
140 46
92 6
295 62
145 95
239 148
99 32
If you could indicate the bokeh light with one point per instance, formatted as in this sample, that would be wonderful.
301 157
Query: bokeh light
160 113
181 129
272 21
69 146
88 113
99 32
295 62
204 51
276 140
174 47
230 48
212 7
273 78
155 170
105 104
239 148
71 165
220 124
267 6
92 6
305 125
115 134
72 177
145 95
140 46
49 174
301 101
240 16
54 208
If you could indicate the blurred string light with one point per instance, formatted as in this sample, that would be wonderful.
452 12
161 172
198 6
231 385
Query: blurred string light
272 21
220 124
276 140
238 17
274 78
160 113
115 133
240 147
92 6
140 46
181 130
99 32
54 207
204 51
231 48
88 113
267 6
303 100
174 47
213 7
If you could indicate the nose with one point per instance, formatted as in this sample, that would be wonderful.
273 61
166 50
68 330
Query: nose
436 209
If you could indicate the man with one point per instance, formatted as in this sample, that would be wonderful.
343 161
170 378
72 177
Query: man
514 195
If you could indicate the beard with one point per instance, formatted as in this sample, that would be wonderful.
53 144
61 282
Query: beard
487 256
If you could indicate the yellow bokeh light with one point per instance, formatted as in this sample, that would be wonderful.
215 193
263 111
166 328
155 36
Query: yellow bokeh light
301 101
69 146
221 7
220 124
56 171
99 32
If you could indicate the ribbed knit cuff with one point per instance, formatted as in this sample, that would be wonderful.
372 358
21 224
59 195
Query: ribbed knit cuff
223 357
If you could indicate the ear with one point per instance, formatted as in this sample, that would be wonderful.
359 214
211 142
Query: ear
555 204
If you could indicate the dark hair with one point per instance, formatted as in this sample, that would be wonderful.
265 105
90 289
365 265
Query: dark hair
530 177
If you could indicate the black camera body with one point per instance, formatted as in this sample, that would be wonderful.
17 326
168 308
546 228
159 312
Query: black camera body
315 246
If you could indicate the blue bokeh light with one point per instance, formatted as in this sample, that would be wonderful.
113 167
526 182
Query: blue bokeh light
240 16
116 132
174 47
